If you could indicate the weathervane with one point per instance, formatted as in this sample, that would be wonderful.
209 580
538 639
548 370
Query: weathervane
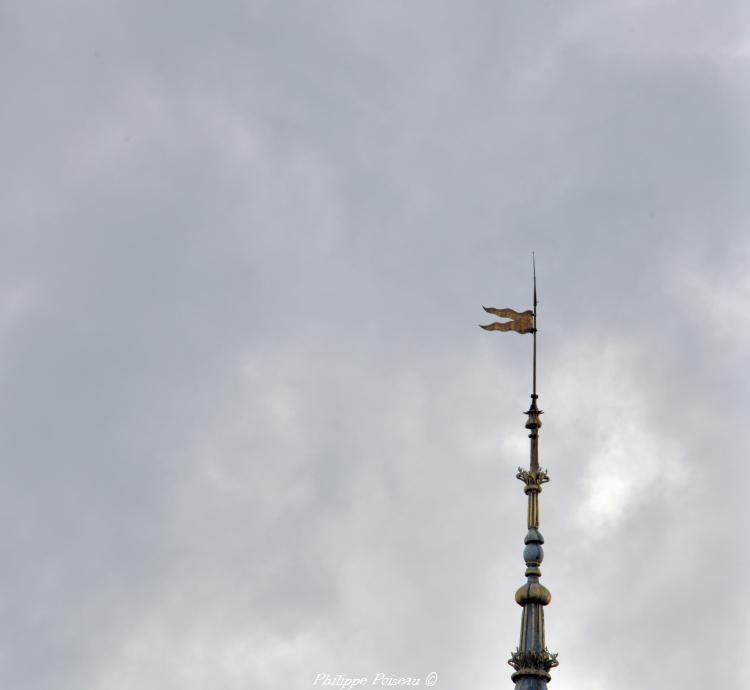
531 661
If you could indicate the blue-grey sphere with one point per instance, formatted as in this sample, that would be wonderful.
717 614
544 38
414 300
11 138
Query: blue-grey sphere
533 553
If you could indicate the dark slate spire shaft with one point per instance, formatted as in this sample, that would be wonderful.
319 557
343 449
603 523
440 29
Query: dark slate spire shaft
532 661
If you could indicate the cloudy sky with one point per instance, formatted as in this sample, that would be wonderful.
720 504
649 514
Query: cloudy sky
249 429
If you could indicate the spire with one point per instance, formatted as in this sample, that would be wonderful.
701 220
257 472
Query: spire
532 660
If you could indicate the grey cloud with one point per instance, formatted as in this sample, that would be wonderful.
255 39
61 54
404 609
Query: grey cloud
250 430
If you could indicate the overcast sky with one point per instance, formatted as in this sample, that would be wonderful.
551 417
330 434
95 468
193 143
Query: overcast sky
249 429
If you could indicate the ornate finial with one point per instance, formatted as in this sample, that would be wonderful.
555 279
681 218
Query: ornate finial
533 478
532 660
533 663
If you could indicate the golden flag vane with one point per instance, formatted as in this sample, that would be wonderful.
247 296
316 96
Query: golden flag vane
524 322
520 322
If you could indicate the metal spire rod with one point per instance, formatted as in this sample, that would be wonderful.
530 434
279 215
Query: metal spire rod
533 412
533 263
